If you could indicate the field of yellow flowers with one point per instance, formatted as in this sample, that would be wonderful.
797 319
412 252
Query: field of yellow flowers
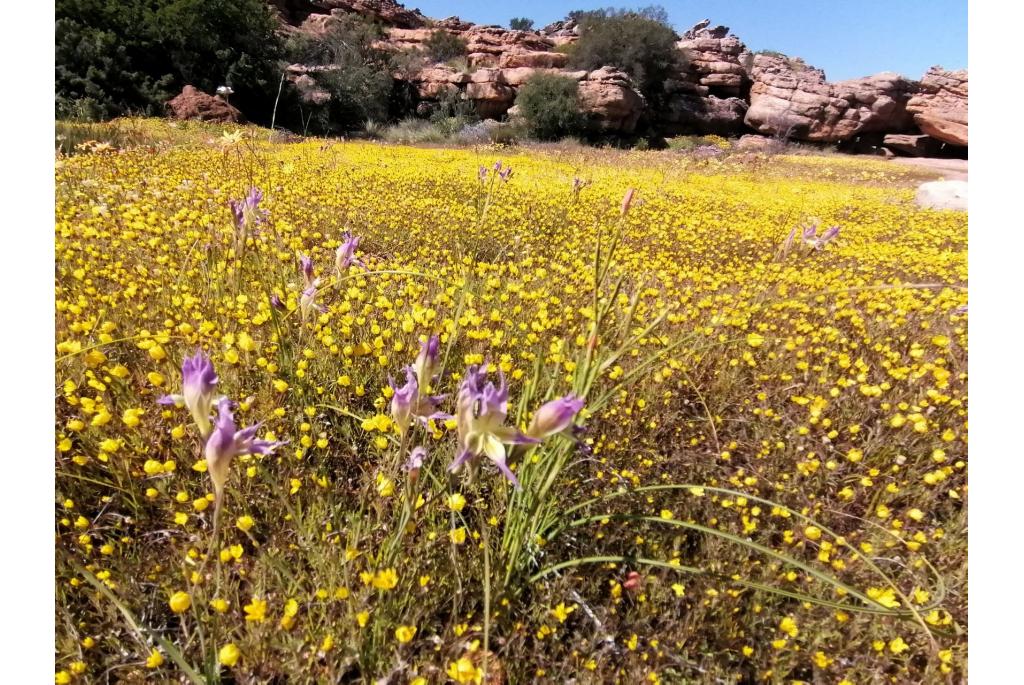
343 412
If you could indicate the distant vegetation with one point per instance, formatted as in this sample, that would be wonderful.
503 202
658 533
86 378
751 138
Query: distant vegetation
119 56
356 75
521 24
639 42
443 46
550 106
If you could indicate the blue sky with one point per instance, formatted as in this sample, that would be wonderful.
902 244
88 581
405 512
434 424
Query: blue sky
846 39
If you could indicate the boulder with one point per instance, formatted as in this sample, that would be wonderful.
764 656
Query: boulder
490 99
792 100
688 113
195 104
755 143
942 195
940 108
608 97
913 145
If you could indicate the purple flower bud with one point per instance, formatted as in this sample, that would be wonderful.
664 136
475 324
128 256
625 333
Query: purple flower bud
307 303
403 399
426 361
505 174
555 416
415 463
482 173
198 381
497 165
276 302
627 201
306 263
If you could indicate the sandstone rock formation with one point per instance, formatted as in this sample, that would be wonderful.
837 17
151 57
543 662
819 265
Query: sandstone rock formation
723 89
192 103
940 109
793 100
609 99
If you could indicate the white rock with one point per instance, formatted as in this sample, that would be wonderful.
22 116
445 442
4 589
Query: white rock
942 195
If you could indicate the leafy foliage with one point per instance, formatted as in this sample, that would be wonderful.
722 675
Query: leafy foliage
521 24
550 105
118 56
443 46
639 42
355 74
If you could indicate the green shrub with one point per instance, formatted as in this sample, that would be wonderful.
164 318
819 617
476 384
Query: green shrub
521 24
357 75
116 57
639 42
443 46
550 107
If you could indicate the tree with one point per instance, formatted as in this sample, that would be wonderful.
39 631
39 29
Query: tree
639 42
132 55
356 74
550 106
521 24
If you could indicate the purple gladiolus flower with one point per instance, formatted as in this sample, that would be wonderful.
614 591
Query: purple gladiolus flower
247 211
408 403
505 173
811 239
198 383
482 173
346 254
555 416
426 361
306 264
227 442
829 234
276 302
480 417
497 165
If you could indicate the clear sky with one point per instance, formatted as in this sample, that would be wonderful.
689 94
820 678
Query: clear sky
846 39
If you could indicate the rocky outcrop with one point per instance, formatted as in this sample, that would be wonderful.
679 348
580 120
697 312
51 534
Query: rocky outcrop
790 99
940 108
610 100
722 89
192 103
715 59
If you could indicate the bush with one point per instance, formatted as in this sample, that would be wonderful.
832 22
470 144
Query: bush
443 46
550 106
639 42
521 24
123 56
356 75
